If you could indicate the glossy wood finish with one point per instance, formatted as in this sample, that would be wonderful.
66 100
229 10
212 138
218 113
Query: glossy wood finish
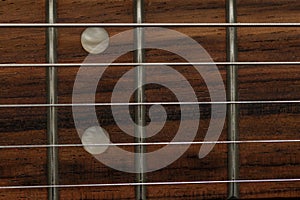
266 121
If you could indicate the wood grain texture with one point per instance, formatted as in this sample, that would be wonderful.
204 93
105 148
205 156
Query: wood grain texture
183 12
257 121
22 11
268 11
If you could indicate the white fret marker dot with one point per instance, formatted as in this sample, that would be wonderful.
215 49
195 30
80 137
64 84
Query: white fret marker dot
92 137
94 40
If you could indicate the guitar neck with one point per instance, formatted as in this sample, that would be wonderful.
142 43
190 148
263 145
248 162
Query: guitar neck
257 151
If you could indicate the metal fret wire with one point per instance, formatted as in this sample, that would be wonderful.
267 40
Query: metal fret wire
52 152
150 183
149 143
44 25
143 64
140 110
232 95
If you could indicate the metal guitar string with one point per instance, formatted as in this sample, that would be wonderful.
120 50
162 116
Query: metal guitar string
148 103
141 64
148 183
70 25
148 143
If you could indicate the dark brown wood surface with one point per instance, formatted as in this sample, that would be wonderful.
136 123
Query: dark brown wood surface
27 166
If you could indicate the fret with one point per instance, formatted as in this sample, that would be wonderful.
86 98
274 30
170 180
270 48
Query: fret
52 135
140 112
232 95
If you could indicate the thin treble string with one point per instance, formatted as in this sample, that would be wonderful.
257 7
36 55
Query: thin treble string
148 183
150 143
66 25
154 64
149 103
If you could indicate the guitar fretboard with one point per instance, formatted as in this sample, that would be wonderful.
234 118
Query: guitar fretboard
255 47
